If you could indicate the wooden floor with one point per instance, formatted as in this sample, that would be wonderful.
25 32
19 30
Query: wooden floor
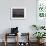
13 44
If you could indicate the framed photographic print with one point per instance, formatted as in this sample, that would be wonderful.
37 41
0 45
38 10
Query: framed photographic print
41 9
18 13
41 12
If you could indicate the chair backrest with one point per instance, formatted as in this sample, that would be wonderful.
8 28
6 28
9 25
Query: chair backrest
24 37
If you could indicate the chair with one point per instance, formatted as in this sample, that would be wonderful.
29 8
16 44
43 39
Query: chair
14 32
26 41
7 35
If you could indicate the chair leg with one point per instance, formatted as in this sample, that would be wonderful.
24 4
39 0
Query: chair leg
5 43
5 40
